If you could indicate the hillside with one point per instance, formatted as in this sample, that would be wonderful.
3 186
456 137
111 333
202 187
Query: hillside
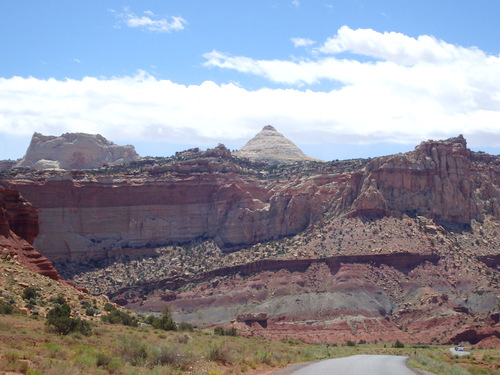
397 247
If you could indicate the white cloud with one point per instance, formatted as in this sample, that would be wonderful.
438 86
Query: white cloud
302 42
397 47
296 3
413 87
417 89
152 22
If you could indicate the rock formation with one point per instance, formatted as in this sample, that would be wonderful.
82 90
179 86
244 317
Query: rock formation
208 195
400 247
271 147
75 151
18 229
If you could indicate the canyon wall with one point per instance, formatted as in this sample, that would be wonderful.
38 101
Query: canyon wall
91 216
18 229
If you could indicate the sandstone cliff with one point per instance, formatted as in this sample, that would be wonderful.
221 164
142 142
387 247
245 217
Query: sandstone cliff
270 146
402 246
209 195
74 151
18 229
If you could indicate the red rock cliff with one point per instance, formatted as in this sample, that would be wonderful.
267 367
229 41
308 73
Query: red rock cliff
18 229
84 217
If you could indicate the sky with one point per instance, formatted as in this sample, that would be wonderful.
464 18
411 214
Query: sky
341 79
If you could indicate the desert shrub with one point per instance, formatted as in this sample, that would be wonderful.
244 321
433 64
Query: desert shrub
398 344
183 326
182 339
120 317
220 331
164 355
109 307
59 300
231 332
91 311
165 323
59 320
5 308
220 353
132 351
102 359
29 293
350 343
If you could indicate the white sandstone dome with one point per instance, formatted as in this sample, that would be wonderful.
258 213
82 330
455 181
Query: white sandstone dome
270 146
75 151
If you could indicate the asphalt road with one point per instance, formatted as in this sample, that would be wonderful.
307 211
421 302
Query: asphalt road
358 365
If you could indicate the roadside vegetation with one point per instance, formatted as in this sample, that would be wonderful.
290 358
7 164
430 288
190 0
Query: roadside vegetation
50 328
28 345
441 362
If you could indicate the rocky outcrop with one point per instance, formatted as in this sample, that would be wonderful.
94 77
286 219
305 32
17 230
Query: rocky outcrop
5 165
75 151
403 262
438 180
17 215
398 247
211 195
18 229
271 147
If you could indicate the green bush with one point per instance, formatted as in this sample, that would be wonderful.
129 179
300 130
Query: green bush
29 293
59 300
165 322
350 343
221 353
132 351
59 320
220 331
5 308
398 344
120 317
183 326
172 356
91 311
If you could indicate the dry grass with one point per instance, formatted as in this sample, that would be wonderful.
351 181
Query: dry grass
26 347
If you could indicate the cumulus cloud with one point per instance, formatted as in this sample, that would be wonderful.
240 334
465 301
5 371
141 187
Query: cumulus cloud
409 86
409 90
397 47
152 22
302 42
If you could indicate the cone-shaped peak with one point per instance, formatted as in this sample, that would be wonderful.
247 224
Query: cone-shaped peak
270 146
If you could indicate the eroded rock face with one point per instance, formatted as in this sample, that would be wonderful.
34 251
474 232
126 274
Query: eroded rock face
399 247
84 216
17 215
270 146
74 151
18 229
437 180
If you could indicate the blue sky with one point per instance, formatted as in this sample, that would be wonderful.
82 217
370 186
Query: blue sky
341 79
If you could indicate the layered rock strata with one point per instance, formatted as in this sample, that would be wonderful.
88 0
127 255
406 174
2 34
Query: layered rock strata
18 229
209 196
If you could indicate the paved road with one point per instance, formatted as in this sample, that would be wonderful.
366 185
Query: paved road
358 365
